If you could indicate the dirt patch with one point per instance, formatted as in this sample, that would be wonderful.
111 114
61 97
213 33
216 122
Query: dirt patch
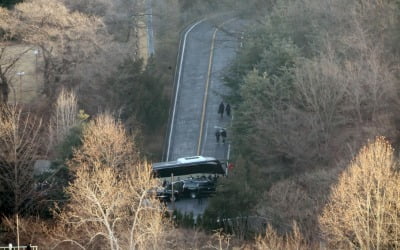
25 78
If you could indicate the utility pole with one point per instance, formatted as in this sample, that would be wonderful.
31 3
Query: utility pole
17 231
36 52
172 192
20 74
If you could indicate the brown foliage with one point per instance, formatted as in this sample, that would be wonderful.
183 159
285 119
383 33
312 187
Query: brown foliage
105 141
110 206
271 240
31 229
66 39
300 198
363 211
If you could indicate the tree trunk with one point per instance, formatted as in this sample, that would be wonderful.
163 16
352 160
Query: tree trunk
4 89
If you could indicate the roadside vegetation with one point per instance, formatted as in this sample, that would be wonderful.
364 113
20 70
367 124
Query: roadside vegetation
314 91
314 82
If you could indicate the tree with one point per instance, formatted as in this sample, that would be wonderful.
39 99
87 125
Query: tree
7 71
235 198
9 3
135 84
66 39
64 116
266 98
19 148
109 200
271 240
310 82
363 211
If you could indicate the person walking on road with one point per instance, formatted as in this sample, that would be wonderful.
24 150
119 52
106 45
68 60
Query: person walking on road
221 109
223 134
217 135
228 109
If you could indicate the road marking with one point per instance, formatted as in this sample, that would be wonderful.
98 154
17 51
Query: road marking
203 112
229 152
229 146
178 83
205 138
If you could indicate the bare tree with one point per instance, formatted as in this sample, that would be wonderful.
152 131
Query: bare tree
110 206
66 39
8 62
64 116
363 211
19 148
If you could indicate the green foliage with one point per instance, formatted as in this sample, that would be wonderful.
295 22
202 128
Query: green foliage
265 90
9 3
302 88
138 93
236 195
185 220
60 176
266 52
249 7
71 141
187 5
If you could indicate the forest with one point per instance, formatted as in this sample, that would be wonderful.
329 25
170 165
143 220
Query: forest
314 90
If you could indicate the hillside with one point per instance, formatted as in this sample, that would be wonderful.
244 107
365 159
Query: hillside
314 136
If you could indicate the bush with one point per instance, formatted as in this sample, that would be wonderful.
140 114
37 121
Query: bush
9 3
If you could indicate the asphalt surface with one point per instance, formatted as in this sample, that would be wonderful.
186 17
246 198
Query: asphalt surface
200 91
186 123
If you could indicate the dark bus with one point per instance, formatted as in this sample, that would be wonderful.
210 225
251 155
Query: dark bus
188 166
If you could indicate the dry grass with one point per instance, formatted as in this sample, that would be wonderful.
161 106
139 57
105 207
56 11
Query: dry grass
271 240
31 81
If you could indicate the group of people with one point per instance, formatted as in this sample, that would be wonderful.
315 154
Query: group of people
224 108
221 132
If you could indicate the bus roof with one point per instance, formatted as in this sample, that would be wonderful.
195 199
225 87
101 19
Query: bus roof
188 165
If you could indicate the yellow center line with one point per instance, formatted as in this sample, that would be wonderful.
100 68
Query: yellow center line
203 113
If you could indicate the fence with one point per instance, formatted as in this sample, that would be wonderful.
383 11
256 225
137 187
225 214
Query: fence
17 248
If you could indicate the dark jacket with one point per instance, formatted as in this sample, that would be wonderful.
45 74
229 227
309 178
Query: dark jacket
228 109
221 108
223 132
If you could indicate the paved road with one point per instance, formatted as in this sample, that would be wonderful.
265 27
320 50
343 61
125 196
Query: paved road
208 48
195 118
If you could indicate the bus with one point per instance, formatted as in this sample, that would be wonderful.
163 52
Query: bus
188 166
191 177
